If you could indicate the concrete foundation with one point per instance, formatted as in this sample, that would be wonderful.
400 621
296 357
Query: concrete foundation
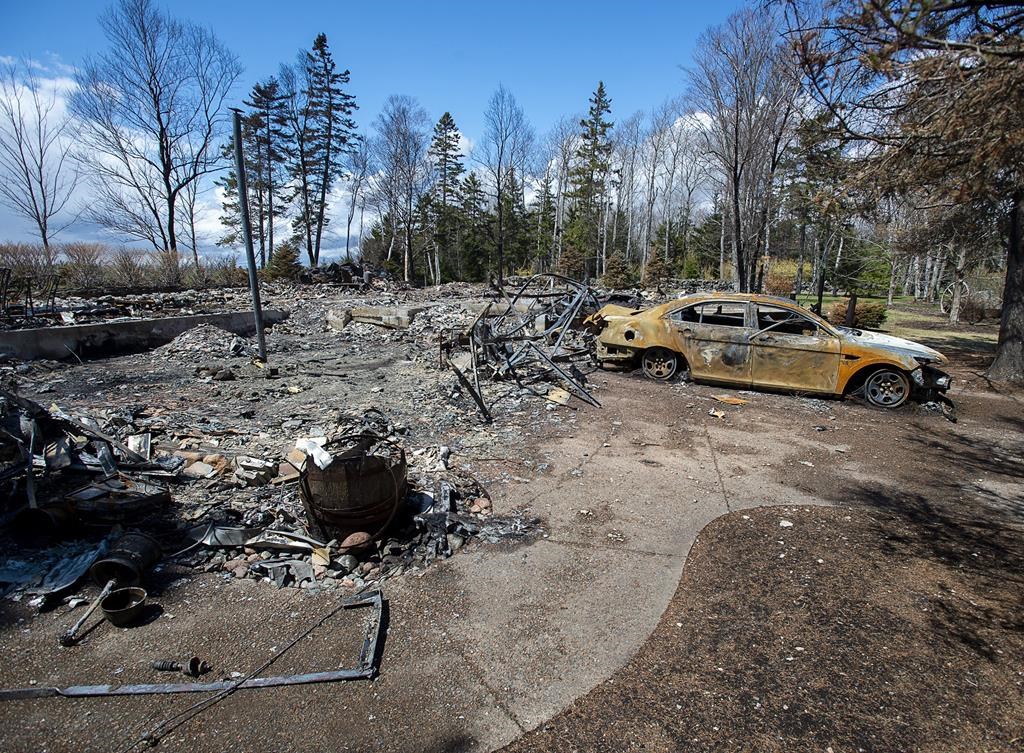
110 338
392 317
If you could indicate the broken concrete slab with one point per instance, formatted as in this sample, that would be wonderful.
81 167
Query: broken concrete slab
112 337
392 317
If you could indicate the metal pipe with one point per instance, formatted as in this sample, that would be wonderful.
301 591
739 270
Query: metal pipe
366 670
250 256
69 637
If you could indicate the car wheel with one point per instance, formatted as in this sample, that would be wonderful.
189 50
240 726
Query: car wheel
887 388
660 363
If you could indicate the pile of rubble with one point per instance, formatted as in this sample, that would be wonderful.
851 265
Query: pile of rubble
73 484
206 341
533 337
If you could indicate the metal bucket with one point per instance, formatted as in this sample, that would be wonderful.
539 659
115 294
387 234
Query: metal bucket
128 560
124 605
358 493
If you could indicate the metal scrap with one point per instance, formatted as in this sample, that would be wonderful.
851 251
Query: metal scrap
533 337
366 669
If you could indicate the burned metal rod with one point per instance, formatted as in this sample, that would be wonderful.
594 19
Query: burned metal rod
477 398
243 201
366 670
69 637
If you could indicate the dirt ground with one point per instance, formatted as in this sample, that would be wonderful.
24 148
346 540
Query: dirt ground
593 636
851 629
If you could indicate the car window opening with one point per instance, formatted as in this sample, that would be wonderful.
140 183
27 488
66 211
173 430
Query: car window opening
716 314
784 322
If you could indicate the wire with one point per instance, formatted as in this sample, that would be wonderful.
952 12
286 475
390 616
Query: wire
170 724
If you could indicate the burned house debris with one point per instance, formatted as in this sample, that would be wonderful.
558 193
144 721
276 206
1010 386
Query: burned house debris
370 445
530 337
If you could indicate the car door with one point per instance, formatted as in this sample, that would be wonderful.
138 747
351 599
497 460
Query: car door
715 339
792 351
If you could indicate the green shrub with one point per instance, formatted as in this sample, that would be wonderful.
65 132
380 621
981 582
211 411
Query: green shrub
867 314
691 267
655 271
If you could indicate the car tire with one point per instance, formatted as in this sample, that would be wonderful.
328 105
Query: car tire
659 363
887 388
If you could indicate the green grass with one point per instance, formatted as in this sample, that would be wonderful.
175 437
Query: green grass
904 321
924 323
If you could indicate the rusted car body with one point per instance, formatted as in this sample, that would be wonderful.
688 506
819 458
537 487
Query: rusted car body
747 340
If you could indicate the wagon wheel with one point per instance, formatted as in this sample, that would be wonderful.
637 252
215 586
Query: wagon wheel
946 299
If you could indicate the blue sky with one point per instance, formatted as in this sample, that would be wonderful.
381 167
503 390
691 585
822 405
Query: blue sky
449 55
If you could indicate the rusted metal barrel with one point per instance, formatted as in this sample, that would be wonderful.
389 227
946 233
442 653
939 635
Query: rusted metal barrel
128 560
354 493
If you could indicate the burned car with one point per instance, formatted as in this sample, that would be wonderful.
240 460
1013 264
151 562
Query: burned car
747 340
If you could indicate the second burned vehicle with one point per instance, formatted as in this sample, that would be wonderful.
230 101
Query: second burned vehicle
761 341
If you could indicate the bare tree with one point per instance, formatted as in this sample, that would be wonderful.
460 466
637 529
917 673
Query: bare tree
693 172
628 143
150 112
400 152
37 178
357 166
562 144
651 159
743 84
508 139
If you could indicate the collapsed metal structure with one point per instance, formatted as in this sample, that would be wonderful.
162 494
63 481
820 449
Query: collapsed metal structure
530 337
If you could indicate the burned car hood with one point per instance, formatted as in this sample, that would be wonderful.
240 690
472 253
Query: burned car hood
896 345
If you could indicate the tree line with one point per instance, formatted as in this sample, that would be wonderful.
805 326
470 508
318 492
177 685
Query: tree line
867 146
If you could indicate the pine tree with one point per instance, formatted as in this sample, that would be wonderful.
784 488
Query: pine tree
231 214
589 176
616 272
284 263
475 237
323 131
517 228
444 151
267 124
543 223
263 150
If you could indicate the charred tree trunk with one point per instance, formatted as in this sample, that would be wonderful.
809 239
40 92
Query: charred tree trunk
1008 365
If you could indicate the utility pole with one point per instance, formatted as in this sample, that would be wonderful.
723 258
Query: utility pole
243 200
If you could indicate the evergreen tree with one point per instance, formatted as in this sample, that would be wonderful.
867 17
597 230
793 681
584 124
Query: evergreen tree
323 132
267 124
231 213
573 261
590 173
284 262
475 238
444 151
517 227
543 223
616 272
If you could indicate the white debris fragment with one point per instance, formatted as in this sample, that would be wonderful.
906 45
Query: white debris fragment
785 523
314 448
